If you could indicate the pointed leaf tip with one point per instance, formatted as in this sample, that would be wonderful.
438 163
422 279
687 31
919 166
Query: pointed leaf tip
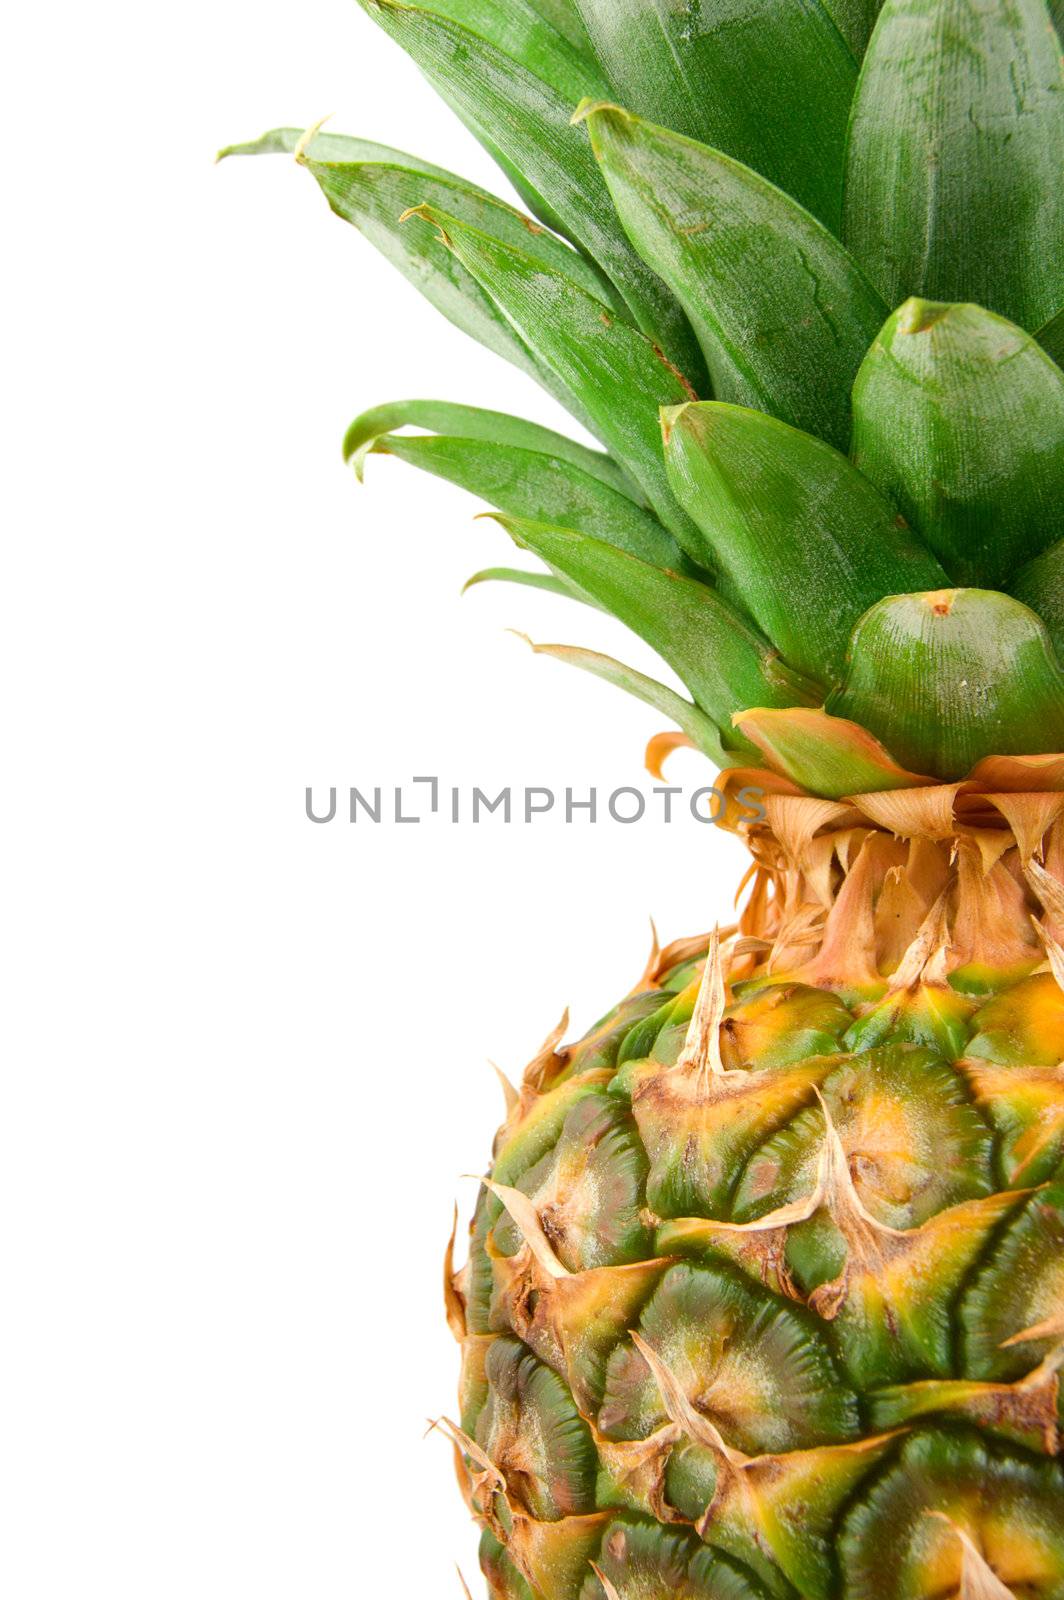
670 416
529 580
306 139
589 107
520 468
372 187
699 731
474 423
919 316
424 212
722 659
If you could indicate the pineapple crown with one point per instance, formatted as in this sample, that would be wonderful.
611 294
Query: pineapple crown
840 523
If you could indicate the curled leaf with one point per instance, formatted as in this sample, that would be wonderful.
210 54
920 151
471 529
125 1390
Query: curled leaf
528 480
472 422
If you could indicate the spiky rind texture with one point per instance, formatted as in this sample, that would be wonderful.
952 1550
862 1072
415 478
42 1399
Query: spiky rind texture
765 1292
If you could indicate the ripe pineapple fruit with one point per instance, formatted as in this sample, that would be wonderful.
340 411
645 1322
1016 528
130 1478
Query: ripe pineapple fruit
765 1293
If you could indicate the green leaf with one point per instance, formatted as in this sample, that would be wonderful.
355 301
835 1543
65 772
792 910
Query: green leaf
946 678
724 662
615 373
330 147
826 755
564 15
1051 337
529 580
711 72
472 422
1040 585
703 734
958 418
527 118
548 582
855 20
373 187
345 185
527 483
783 315
801 535
521 467
953 186
524 31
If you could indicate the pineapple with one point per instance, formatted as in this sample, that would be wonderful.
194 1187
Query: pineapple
765 1290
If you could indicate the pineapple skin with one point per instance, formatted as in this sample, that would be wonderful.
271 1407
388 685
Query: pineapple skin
765 1289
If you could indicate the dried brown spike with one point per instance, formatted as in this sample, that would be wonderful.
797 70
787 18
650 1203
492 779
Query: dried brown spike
454 1304
526 1217
608 1589
979 1581
701 1051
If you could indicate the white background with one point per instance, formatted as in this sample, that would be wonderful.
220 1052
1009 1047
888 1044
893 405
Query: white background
247 1057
